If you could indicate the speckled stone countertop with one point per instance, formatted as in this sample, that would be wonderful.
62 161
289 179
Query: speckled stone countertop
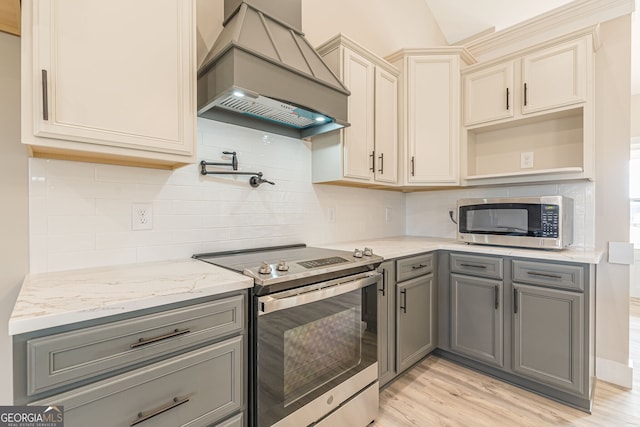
396 247
64 297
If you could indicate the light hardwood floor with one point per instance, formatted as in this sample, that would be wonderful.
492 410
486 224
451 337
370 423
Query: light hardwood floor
440 393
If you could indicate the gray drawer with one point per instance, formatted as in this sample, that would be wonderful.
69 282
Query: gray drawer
67 357
195 389
477 265
564 276
408 268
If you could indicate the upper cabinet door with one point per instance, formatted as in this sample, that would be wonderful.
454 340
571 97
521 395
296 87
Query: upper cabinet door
433 86
555 77
359 74
488 94
111 73
386 127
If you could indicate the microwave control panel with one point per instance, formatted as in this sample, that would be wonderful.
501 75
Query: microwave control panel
549 220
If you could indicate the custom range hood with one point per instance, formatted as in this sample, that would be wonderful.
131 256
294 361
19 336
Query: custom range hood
262 73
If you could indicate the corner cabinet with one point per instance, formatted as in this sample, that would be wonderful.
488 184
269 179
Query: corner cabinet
529 116
109 82
366 151
429 115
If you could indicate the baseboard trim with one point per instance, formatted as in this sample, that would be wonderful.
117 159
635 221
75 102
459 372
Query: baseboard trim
615 372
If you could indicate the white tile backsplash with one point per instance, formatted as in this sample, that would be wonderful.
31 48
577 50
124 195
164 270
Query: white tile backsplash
80 213
428 212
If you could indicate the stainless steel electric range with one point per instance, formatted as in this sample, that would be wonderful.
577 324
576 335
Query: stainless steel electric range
313 334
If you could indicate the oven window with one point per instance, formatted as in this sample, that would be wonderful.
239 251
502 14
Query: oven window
319 351
304 351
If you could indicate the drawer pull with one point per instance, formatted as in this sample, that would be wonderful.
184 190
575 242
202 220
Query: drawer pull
473 266
404 307
550 276
419 266
45 96
142 416
146 341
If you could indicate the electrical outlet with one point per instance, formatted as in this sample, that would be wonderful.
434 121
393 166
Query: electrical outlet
526 160
331 214
387 214
142 216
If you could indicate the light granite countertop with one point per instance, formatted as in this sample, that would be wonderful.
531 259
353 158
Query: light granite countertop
396 247
59 298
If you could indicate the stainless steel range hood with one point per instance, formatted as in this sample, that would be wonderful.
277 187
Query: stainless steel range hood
263 74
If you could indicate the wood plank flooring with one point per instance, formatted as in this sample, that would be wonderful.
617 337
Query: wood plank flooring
440 393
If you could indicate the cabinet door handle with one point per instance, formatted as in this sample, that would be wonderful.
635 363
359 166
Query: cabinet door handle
404 294
45 96
413 166
381 158
144 416
473 265
373 161
550 276
525 94
147 341
384 282
496 296
515 301
507 98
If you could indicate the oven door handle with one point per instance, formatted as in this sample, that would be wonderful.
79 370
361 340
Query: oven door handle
270 303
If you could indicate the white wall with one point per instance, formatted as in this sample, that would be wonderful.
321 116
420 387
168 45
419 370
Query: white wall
80 213
380 25
613 92
14 193
428 212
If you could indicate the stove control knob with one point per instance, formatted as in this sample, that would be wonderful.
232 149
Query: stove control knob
368 252
357 253
282 265
264 268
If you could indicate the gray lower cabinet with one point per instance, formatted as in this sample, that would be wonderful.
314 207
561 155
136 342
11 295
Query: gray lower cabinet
415 311
528 321
548 336
194 389
477 318
407 310
386 323
180 364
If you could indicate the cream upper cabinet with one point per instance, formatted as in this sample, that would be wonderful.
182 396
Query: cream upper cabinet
488 94
555 77
386 126
429 115
359 77
366 151
547 131
110 81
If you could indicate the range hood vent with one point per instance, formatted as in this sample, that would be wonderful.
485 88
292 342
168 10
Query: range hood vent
262 73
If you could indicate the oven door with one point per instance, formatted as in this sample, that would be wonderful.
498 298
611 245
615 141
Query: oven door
311 341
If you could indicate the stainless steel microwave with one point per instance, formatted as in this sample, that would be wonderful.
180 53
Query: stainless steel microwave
532 222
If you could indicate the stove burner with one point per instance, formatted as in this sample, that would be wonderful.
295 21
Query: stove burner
322 262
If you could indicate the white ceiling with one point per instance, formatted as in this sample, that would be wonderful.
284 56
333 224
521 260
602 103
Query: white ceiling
463 19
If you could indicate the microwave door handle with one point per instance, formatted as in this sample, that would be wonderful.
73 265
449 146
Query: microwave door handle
268 304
